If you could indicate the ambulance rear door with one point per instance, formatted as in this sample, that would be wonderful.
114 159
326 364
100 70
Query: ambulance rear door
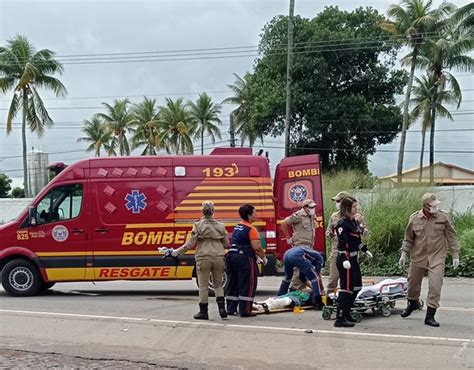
296 179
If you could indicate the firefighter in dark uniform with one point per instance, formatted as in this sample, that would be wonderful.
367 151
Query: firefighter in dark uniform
309 263
349 245
241 263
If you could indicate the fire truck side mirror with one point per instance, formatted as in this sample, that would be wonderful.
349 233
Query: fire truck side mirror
32 216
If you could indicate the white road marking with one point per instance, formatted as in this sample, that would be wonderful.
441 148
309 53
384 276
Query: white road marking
274 328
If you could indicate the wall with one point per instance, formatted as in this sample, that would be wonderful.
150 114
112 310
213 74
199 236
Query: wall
454 199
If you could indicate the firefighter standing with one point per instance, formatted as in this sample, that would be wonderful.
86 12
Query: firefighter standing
309 263
241 263
211 238
303 224
349 244
331 233
428 232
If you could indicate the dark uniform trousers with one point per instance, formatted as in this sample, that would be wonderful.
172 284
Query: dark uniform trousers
242 275
350 280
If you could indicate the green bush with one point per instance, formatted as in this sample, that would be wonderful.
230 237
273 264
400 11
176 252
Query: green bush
387 212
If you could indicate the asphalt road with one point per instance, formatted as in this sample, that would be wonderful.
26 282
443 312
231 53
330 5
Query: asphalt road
150 325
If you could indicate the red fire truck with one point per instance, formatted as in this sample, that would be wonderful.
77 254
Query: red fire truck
104 218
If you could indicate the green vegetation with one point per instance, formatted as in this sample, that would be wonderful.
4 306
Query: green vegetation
25 71
387 212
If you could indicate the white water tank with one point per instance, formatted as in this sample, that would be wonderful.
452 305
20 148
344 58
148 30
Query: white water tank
37 171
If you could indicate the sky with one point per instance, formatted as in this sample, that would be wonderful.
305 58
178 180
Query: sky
99 27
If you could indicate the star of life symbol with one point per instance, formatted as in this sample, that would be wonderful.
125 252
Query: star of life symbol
136 201
298 193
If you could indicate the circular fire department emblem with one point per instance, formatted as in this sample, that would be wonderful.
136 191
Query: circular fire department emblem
60 233
298 193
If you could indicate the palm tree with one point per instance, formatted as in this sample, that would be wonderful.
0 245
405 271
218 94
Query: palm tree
412 23
451 51
25 70
205 113
239 121
145 122
118 120
423 93
176 127
237 115
98 135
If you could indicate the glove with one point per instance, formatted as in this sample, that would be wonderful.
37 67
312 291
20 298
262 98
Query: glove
265 261
167 251
262 261
455 263
403 259
346 265
369 254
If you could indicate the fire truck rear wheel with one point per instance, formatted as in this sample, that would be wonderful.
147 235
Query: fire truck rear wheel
21 278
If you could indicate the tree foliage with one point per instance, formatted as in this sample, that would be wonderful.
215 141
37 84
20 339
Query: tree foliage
343 92
25 71
5 185
205 116
18 192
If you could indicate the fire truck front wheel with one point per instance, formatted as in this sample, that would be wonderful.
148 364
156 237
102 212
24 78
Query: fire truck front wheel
21 278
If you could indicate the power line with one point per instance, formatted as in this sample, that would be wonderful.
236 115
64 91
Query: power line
237 49
135 96
220 55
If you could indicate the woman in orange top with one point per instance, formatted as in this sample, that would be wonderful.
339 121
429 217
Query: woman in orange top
241 263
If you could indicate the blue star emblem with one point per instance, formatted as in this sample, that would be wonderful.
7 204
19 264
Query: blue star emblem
136 201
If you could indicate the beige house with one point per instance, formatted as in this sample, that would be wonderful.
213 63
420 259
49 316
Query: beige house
444 174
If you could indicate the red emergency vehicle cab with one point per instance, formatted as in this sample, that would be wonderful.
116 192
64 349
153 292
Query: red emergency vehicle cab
104 218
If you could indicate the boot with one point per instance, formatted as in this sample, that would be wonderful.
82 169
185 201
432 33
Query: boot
412 305
202 314
221 305
342 308
348 315
429 319
318 303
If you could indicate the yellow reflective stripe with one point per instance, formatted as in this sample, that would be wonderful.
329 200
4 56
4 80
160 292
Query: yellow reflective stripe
92 273
221 201
148 226
244 196
250 187
65 254
225 223
223 208
253 179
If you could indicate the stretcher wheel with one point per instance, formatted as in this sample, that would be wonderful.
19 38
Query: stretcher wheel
392 304
386 311
327 313
357 316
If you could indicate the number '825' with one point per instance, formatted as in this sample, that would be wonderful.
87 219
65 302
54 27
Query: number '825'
231 171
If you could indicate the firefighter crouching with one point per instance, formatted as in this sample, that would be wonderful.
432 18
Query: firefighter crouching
331 234
211 238
427 233
309 263
241 263
303 224
349 244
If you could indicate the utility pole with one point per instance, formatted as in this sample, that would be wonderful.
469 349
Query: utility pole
288 77
232 129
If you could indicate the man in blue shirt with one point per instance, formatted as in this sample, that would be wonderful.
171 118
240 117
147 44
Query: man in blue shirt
309 263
